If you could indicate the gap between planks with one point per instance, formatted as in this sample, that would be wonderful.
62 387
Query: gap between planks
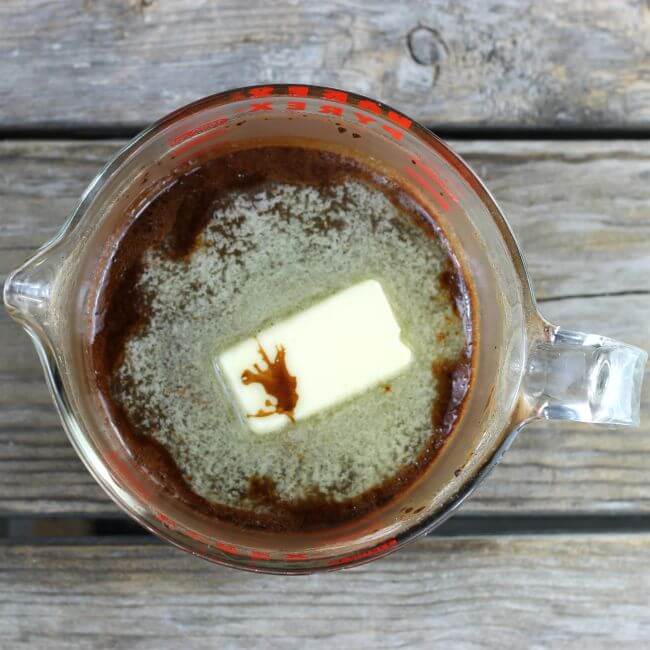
43 529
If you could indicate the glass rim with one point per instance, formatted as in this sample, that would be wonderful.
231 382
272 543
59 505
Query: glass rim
94 462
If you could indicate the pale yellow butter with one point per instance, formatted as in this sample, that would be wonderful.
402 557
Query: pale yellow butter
335 349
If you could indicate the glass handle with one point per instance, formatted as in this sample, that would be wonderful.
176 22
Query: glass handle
584 377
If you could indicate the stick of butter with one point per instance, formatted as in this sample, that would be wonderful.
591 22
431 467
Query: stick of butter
315 359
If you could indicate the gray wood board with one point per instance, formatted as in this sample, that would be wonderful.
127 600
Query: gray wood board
582 213
461 63
531 592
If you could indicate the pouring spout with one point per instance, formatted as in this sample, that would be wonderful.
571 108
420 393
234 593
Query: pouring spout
27 291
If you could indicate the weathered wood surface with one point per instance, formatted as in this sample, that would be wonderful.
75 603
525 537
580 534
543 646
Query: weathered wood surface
507 63
530 592
582 213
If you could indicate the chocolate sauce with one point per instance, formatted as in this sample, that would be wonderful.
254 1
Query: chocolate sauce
277 381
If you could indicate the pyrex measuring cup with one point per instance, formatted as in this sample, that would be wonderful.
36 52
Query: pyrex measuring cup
525 368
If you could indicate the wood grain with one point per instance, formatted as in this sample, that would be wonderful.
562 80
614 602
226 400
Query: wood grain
581 211
460 63
463 593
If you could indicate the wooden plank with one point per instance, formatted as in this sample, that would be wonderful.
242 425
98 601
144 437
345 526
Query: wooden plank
39 471
581 212
508 63
541 592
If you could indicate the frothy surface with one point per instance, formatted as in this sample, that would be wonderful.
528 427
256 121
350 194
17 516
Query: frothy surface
268 250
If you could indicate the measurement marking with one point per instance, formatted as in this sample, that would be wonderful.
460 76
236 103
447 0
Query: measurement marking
400 120
336 96
435 193
198 537
364 119
259 555
227 548
295 557
190 144
398 135
437 180
298 91
367 105
261 91
166 521
208 126
328 109
262 106
376 550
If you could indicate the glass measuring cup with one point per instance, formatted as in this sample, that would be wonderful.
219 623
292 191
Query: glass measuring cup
525 368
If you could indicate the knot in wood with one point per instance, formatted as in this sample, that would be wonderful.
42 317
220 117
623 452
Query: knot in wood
426 46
